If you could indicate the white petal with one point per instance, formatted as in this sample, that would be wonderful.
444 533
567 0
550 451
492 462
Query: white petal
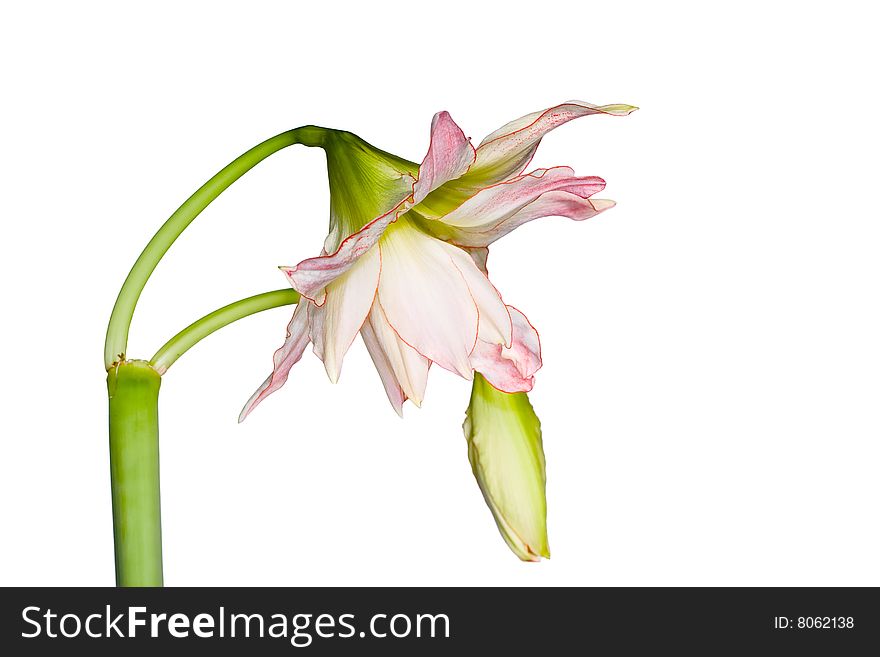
349 299
393 389
311 276
426 299
410 368
494 323
316 329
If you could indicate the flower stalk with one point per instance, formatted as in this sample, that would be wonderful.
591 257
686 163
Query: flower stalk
202 328
133 389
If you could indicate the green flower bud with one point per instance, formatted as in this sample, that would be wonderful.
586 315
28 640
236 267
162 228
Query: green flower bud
507 457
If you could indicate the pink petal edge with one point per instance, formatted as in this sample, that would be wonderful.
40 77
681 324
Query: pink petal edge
508 151
496 202
500 208
311 276
450 154
284 358
511 369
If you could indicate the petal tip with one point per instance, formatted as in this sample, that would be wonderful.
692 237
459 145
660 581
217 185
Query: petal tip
619 110
246 411
602 204
332 373
531 556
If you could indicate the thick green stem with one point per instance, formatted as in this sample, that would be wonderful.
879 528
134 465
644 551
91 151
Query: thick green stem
123 311
133 388
202 328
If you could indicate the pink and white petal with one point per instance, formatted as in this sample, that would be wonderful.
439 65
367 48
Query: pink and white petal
426 299
525 352
507 151
393 389
495 324
449 156
349 299
410 368
549 204
511 369
499 372
311 277
498 202
316 329
284 358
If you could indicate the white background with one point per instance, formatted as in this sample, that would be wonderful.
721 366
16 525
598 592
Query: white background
710 390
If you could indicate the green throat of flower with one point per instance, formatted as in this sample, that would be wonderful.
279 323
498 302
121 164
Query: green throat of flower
365 183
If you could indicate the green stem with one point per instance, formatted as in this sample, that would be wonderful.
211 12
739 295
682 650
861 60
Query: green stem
133 388
202 328
123 311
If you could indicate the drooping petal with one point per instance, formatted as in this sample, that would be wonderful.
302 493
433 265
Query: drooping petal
500 208
284 359
525 352
316 329
426 299
510 369
507 457
449 156
349 299
507 151
311 276
393 389
408 366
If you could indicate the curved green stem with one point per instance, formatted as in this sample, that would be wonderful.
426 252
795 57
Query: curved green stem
202 328
123 311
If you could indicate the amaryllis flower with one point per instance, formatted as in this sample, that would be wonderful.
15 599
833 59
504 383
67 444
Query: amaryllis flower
404 264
